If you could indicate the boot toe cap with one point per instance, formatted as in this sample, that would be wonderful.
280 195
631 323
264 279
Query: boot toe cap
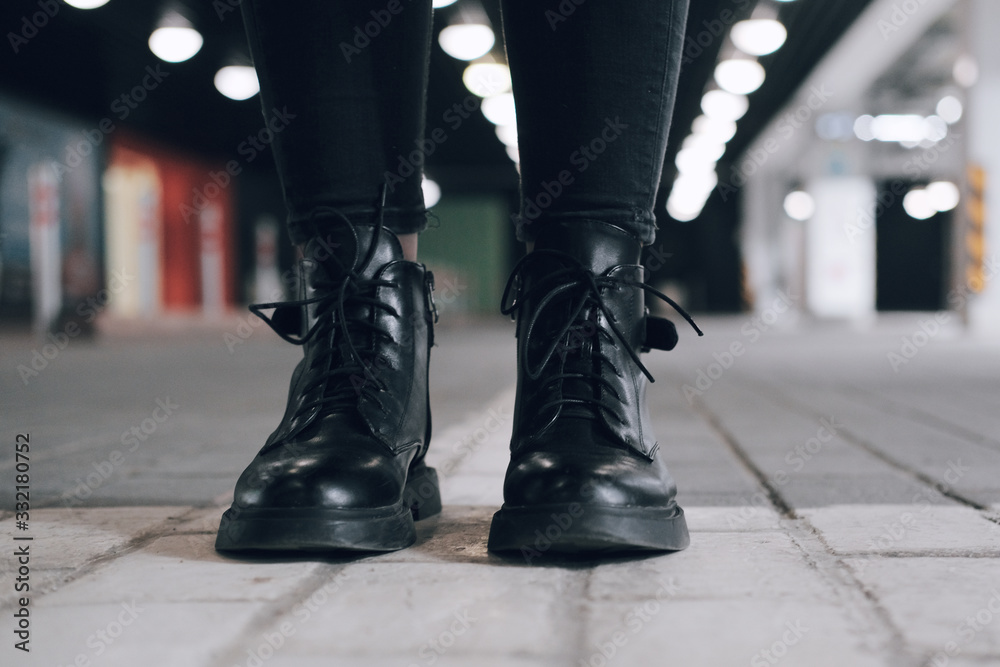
610 478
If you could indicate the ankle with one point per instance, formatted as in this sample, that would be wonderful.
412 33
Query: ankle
409 244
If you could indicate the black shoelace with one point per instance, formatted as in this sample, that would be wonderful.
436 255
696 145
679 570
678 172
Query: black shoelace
575 280
338 326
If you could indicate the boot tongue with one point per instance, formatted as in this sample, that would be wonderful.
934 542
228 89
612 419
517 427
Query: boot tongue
597 245
339 252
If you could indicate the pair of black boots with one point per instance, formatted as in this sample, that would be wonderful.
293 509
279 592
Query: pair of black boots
345 469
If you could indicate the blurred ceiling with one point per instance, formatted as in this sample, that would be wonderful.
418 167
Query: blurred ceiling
81 61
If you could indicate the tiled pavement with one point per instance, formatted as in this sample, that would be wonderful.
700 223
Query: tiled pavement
843 504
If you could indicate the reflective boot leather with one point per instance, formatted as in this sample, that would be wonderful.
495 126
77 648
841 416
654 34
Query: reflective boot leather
586 473
344 469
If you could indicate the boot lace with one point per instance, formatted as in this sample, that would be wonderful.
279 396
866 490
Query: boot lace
582 288
345 363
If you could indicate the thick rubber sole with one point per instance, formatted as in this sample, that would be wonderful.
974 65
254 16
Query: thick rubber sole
289 529
575 528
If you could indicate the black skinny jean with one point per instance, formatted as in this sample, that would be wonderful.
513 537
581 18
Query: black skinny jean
594 95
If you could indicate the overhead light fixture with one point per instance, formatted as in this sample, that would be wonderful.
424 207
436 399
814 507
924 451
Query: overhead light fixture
863 128
485 79
758 37
697 149
716 129
917 204
499 109
432 192
438 4
690 161
237 82
86 4
949 108
943 195
175 39
965 71
507 134
720 105
466 41
739 76
799 205
908 129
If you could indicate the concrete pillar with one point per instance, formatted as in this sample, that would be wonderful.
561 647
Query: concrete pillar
983 109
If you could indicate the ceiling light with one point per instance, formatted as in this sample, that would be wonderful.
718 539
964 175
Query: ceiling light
514 154
499 109
466 41
739 76
485 79
720 105
175 39
758 37
949 108
863 128
689 161
835 126
438 4
432 192
237 82
716 129
944 195
908 129
799 205
507 134
86 4
689 194
965 71
710 147
917 204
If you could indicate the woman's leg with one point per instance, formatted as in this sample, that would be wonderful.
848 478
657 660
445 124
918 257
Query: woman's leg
358 100
344 469
594 93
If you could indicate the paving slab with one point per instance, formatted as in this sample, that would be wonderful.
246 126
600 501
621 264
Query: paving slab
912 529
941 605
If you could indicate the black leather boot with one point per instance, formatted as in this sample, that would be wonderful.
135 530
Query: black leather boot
586 472
345 468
